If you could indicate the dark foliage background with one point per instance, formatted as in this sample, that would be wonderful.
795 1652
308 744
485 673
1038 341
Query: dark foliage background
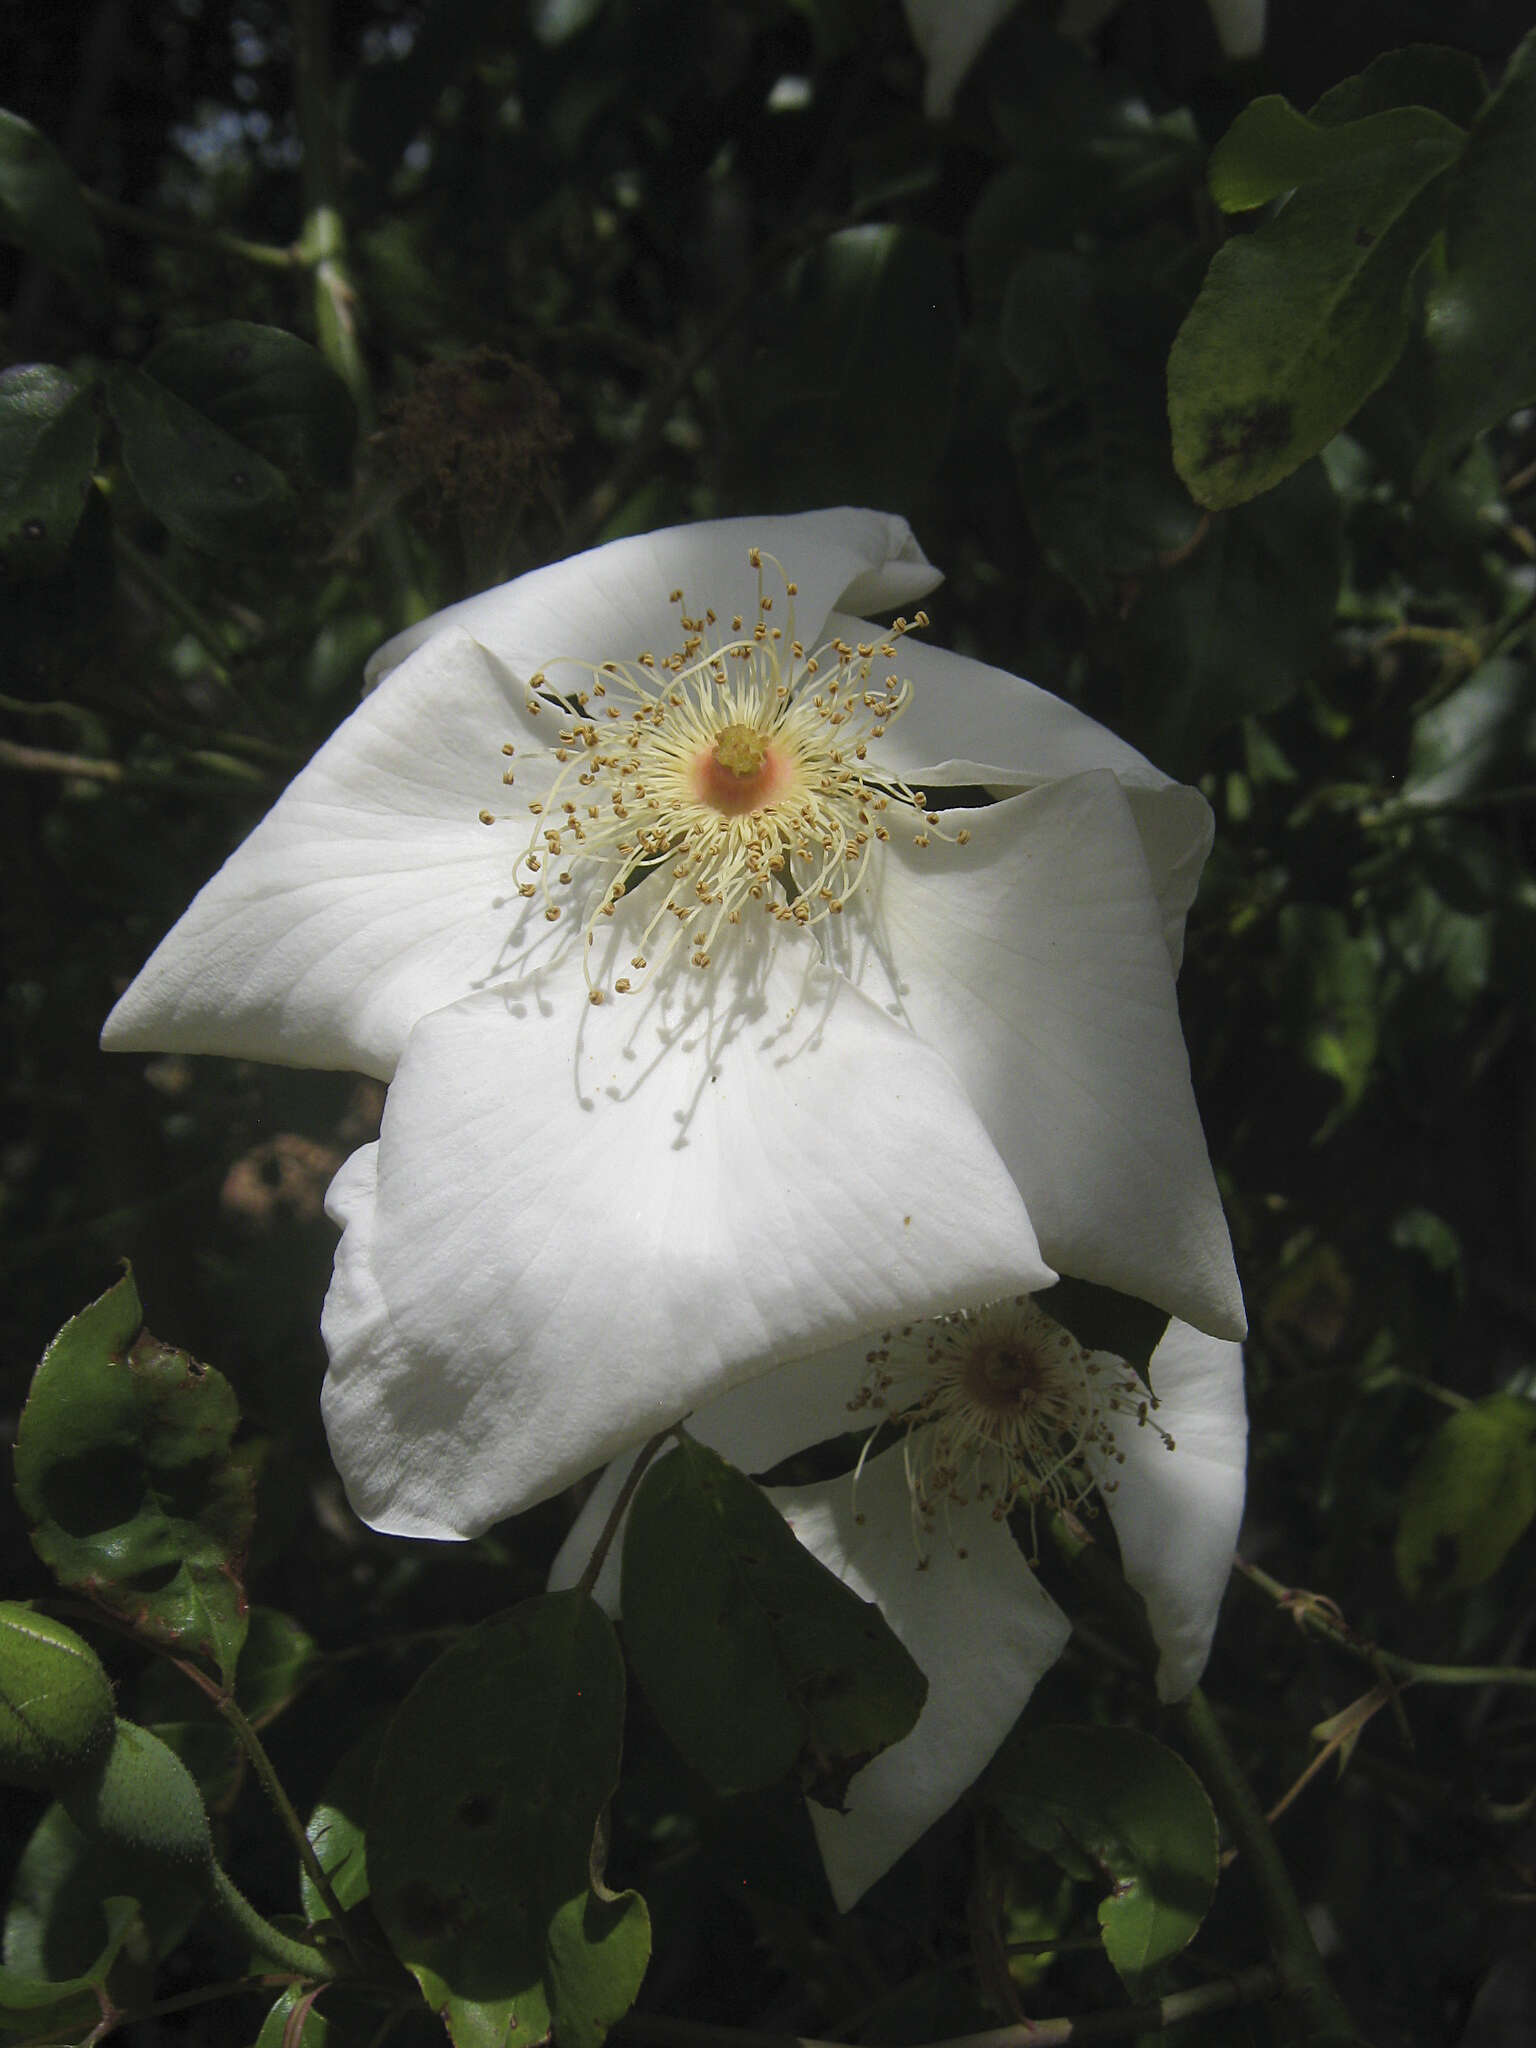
619 263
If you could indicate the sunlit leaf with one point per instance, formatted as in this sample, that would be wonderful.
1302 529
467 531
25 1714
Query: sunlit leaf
482 1826
1470 1497
1299 321
1116 1804
1271 148
48 433
125 1475
1480 320
769 1664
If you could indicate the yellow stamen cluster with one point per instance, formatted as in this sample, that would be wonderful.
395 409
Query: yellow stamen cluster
999 1405
736 767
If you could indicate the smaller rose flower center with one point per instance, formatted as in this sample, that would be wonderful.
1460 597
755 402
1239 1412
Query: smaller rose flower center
742 772
1004 1378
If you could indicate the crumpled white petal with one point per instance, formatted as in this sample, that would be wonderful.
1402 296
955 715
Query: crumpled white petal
372 894
1177 1512
583 1221
1034 957
1017 736
614 602
980 1626
369 894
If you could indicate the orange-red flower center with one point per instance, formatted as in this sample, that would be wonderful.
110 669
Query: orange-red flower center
742 772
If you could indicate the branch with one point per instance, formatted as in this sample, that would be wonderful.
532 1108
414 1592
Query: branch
151 227
1245 1987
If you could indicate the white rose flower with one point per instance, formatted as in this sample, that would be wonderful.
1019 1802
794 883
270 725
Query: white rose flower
713 1036
973 1417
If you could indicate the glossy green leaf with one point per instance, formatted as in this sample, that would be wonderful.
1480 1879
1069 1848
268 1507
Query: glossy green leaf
1092 439
1271 148
1470 1497
277 1660
768 1663
57 1920
125 1475
211 490
1191 630
43 209
56 1705
1113 1803
1480 320
43 2007
481 1832
1418 75
1298 322
265 388
851 400
48 434
336 1829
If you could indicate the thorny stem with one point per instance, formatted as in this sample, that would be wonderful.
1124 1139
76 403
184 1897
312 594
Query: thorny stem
619 1509
261 1763
93 768
1302 1977
300 1957
1323 1619
1244 1987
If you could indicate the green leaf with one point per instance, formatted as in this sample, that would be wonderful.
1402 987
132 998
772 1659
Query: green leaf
211 490
851 401
1480 320
1092 443
56 1705
125 1475
43 2006
1191 632
58 1919
1298 322
1418 75
1470 1498
48 435
336 1830
1113 1802
267 389
1481 736
1329 979
43 210
277 1661
769 1664
482 1832
1271 148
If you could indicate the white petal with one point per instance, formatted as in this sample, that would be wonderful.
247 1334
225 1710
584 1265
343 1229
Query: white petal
1176 1512
369 895
980 1626
1017 736
1034 959
614 602
950 34
590 1220
575 1553
1240 26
